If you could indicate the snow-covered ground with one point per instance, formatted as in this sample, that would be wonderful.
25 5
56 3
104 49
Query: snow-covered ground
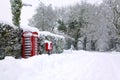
70 65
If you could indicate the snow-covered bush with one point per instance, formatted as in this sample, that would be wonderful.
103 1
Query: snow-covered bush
10 38
57 41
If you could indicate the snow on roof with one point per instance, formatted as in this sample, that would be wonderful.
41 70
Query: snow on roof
46 41
29 28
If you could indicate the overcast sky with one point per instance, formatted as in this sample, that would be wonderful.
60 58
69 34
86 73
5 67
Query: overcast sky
27 12
60 3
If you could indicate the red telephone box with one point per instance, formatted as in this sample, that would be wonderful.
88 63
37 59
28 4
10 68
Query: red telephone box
48 47
29 44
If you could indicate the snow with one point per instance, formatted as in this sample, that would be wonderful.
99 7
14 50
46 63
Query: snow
29 28
4 22
49 44
46 33
70 65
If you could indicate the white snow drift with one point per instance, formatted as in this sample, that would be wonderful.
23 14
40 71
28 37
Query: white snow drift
70 65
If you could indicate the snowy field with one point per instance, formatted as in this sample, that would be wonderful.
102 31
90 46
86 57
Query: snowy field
70 65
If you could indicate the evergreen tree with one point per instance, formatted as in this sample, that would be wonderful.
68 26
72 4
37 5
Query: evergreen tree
74 32
61 26
16 6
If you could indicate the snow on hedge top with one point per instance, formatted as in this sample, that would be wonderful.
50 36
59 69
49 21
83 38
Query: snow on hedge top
7 23
46 33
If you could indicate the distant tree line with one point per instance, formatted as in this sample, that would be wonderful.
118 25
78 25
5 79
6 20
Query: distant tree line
90 27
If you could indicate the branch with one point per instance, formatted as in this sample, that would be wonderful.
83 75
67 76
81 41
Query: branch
24 4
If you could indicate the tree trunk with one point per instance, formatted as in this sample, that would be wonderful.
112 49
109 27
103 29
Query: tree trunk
84 43
93 45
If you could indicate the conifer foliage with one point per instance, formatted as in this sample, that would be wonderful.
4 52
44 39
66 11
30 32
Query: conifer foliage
9 41
16 6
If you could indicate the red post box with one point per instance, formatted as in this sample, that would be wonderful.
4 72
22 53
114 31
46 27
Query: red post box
48 47
29 44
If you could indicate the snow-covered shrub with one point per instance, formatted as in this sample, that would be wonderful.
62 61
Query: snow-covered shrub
57 41
10 38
